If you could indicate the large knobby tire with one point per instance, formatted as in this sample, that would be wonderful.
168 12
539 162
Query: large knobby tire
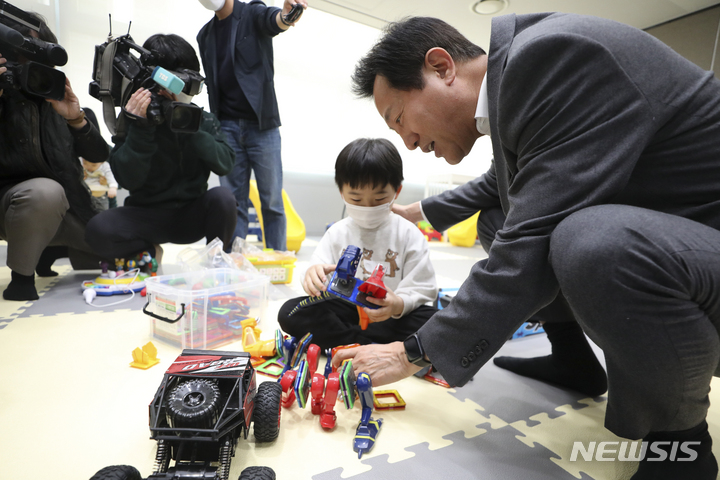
257 473
194 404
266 415
119 472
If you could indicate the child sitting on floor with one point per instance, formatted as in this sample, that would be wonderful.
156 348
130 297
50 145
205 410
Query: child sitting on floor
368 173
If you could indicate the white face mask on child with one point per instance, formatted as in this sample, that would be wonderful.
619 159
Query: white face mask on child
369 217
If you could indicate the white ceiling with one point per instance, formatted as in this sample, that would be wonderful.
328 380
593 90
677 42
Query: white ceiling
638 13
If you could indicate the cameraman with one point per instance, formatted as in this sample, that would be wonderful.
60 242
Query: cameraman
43 200
166 173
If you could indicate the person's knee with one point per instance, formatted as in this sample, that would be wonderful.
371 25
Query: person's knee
586 246
43 196
99 232
221 199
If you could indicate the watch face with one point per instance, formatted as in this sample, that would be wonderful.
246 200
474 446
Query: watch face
412 349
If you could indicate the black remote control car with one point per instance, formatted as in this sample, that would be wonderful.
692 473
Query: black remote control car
206 401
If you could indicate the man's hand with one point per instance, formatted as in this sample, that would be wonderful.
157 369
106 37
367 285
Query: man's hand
68 107
138 103
315 278
410 212
391 305
384 363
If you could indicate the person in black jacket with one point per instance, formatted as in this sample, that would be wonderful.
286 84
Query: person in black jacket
44 203
237 54
166 174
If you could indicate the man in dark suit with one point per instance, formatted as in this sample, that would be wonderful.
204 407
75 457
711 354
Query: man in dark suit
607 168
237 55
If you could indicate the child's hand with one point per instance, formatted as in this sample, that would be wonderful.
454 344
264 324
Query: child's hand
112 192
315 278
103 180
391 305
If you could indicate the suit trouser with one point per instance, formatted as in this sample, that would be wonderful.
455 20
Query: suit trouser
336 322
33 215
645 287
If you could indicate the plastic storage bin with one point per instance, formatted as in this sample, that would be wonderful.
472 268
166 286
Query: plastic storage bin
203 309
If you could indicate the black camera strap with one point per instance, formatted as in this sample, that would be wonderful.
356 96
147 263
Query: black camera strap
106 75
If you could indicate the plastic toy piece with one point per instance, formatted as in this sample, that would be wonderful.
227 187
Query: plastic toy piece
302 384
287 382
300 349
349 261
317 388
325 407
328 364
272 368
364 319
335 350
146 357
279 339
374 285
347 383
257 361
398 404
436 380
313 358
368 429
312 301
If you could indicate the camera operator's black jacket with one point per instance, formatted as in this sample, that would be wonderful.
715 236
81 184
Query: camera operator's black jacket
37 142
165 169
253 27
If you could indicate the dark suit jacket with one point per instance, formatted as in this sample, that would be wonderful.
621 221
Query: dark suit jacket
253 26
583 111
453 206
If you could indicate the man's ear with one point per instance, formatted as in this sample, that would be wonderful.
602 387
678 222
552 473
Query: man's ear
439 62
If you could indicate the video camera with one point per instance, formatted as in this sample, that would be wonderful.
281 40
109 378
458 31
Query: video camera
30 61
118 73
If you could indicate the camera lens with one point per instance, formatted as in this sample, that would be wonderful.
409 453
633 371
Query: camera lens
38 82
182 118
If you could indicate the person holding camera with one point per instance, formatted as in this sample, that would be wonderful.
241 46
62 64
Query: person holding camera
165 172
44 204
237 53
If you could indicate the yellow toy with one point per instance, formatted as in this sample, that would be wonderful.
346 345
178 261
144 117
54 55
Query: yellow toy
295 225
146 357
464 233
251 340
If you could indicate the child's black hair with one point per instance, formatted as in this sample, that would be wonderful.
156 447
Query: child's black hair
173 52
371 162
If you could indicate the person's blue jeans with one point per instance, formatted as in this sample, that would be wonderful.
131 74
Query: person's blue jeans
259 151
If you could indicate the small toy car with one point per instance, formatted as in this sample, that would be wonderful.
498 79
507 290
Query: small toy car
206 401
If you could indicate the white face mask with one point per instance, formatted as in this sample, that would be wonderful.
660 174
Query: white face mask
369 217
213 5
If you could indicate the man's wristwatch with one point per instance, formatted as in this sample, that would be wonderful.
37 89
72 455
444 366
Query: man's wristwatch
414 351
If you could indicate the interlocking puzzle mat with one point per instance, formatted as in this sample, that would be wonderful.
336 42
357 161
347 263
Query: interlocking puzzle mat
70 405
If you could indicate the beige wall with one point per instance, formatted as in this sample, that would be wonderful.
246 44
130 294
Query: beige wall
694 36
